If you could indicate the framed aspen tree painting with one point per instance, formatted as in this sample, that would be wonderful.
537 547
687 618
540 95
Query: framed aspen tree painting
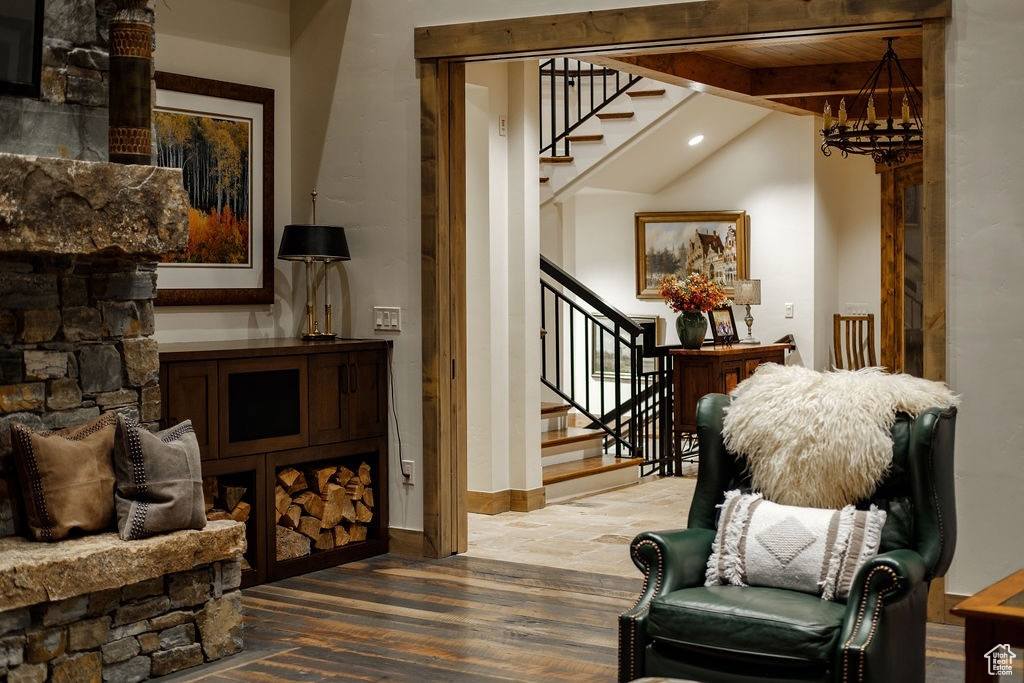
221 136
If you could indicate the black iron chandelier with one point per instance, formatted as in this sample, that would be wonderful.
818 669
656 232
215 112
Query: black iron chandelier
888 140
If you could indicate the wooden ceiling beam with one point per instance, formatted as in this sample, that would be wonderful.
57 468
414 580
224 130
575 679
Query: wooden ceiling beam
696 68
816 105
641 67
823 79
651 25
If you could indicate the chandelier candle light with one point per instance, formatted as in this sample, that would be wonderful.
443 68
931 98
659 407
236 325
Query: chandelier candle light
888 142
312 244
747 293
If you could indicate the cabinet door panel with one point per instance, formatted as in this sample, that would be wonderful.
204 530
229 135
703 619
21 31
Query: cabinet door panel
732 373
328 380
366 400
192 395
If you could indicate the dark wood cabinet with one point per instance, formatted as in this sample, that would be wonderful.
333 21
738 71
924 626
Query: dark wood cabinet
714 369
189 391
263 406
348 399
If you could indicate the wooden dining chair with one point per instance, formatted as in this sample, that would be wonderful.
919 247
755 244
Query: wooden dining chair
853 337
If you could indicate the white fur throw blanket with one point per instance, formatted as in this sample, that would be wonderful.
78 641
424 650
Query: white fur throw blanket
822 439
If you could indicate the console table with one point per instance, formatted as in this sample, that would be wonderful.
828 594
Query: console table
293 440
994 621
714 369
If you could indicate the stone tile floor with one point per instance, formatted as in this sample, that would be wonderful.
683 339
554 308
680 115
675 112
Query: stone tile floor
591 533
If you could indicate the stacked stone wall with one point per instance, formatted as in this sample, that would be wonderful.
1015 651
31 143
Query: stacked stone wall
69 119
75 342
121 635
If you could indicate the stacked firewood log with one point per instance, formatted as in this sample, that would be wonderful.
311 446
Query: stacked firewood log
224 501
321 508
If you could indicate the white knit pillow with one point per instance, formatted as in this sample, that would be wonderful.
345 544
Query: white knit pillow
761 543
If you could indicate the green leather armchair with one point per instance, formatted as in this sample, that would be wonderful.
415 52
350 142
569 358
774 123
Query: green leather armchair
681 628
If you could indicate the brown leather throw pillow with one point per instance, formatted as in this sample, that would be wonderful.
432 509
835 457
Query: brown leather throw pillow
67 477
159 480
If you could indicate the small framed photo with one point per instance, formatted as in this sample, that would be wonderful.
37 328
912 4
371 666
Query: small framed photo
723 325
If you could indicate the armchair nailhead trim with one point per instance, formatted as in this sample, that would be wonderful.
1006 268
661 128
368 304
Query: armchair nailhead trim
861 608
935 497
629 654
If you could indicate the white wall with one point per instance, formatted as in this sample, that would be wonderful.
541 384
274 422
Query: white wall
487 275
985 332
847 250
767 172
247 43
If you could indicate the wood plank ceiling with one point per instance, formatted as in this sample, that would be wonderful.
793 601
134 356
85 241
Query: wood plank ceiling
795 74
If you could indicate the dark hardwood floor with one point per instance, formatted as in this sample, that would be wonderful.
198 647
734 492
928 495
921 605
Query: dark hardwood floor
457 619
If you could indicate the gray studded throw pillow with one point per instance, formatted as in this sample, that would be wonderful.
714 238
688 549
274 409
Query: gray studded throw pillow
761 543
159 480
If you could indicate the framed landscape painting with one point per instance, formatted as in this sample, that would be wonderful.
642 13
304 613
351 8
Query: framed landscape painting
221 136
683 242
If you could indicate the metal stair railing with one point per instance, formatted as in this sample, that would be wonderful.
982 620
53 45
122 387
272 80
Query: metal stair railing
568 78
600 361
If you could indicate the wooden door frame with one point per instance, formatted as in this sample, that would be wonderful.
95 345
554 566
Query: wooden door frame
891 327
441 51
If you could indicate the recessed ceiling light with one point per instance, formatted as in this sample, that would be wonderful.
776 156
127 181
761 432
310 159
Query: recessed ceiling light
695 140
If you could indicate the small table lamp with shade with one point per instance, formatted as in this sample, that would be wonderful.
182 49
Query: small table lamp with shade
313 244
748 293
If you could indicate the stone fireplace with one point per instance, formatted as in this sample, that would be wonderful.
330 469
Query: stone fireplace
78 245
78 248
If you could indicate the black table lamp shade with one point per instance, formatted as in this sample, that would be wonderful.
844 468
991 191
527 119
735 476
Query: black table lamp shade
316 242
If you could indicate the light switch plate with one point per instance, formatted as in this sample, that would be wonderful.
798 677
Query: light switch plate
387 318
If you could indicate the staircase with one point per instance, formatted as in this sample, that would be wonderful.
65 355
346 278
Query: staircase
576 139
574 463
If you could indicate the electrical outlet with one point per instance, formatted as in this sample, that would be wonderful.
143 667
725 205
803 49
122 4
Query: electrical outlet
407 471
789 310
387 318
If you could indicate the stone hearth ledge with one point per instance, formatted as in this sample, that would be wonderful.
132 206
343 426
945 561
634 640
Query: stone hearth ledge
34 572
68 207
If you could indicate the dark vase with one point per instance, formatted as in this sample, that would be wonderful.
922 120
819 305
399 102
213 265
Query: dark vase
691 326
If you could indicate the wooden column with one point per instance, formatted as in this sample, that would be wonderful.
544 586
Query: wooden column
933 64
442 181
130 89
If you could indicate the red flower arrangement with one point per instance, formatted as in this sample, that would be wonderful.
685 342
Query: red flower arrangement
695 293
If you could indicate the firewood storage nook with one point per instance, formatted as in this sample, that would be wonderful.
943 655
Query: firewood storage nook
293 437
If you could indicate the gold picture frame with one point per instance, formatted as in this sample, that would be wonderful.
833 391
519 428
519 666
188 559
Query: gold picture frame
715 243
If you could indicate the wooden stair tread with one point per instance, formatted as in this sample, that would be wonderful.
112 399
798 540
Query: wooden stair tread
596 137
575 469
556 160
560 437
606 115
549 408
653 92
